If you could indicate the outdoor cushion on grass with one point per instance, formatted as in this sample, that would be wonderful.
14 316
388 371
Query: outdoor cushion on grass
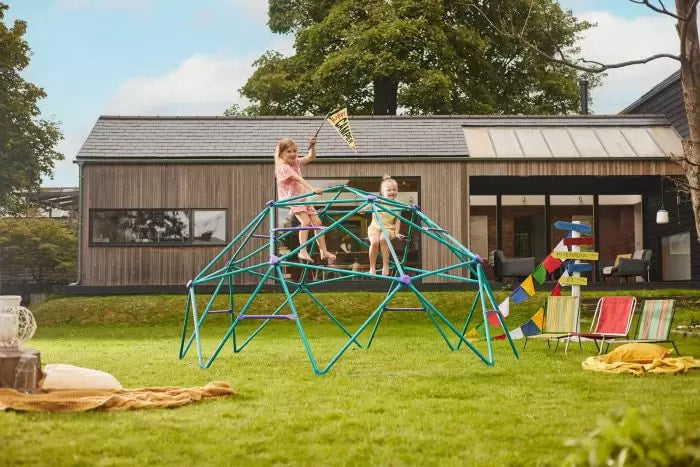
62 377
123 399
636 353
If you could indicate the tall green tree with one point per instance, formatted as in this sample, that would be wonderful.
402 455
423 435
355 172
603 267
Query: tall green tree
27 142
424 56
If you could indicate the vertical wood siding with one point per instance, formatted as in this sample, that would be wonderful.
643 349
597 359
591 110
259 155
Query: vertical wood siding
244 188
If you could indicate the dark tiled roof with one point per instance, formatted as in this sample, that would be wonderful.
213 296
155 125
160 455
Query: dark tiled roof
658 89
121 137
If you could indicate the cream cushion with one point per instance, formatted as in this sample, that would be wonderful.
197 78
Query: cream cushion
60 376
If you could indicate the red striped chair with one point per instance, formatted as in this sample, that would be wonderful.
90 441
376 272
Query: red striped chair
612 319
654 324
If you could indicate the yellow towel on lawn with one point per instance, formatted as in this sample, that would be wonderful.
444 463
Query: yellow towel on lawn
659 365
122 399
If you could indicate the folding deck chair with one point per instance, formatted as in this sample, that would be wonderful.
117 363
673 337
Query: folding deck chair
560 321
612 319
654 324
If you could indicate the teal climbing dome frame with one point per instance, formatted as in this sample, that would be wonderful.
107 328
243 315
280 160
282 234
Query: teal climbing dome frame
266 264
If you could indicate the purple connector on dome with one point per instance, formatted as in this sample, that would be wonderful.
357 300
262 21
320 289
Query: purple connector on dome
274 260
189 284
479 260
371 197
416 206
405 279
270 203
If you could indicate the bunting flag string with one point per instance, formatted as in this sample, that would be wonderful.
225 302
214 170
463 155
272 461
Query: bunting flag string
526 288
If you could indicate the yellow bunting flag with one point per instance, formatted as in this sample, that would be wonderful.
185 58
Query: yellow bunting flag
538 318
340 122
472 334
528 286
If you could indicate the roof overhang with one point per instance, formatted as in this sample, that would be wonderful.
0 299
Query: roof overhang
566 139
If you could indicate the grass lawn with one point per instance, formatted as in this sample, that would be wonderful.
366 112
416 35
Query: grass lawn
407 400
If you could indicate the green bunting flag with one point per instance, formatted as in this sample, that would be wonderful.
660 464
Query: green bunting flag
539 274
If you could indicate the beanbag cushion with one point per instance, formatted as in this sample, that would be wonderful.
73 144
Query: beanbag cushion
636 353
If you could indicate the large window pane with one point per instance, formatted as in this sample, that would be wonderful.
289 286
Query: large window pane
620 226
675 257
209 226
523 226
157 226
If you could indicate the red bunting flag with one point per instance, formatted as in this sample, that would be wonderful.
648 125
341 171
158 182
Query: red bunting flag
551 263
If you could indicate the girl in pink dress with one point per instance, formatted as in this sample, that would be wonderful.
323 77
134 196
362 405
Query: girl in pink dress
290 183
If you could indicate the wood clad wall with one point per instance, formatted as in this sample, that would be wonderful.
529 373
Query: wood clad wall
243 189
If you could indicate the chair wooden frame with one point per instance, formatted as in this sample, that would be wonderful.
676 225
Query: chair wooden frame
562 315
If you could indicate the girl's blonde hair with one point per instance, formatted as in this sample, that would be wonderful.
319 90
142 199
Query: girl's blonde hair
386 178
283 145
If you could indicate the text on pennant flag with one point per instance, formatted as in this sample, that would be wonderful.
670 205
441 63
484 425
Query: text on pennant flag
573 280
340 122
578 241
583 228
584 255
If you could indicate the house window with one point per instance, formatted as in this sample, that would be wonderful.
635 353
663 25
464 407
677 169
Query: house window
157 227
675 257
349 242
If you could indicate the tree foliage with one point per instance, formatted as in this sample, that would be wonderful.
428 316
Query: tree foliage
424 56
27 142
40 245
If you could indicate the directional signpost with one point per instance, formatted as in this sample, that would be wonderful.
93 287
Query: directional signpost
575 267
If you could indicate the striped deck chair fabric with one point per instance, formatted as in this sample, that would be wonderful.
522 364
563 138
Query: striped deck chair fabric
561 318
654 324
612 318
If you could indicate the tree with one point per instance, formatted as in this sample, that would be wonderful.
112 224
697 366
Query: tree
40 245
686 17
27 142
425 56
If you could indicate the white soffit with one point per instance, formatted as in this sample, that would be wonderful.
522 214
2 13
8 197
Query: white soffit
606 142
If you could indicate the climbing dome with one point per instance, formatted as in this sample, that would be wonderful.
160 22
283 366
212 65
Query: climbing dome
261 256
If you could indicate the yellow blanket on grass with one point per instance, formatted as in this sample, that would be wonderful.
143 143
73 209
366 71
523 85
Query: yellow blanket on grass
661 365
122 399
639 358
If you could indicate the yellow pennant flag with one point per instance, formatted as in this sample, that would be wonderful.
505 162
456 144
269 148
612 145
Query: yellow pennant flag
538 318
340 122
528 286
472 334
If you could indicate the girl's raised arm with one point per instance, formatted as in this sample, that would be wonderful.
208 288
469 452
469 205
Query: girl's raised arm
312 152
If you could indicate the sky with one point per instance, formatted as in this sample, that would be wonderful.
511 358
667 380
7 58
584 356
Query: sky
187 57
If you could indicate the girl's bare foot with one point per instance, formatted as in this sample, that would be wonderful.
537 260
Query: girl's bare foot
372 271
304 256
329 256
385 271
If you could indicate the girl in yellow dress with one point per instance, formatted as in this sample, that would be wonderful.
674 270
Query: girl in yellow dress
388 189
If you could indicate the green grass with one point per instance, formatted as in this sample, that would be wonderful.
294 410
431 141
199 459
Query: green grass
407 400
